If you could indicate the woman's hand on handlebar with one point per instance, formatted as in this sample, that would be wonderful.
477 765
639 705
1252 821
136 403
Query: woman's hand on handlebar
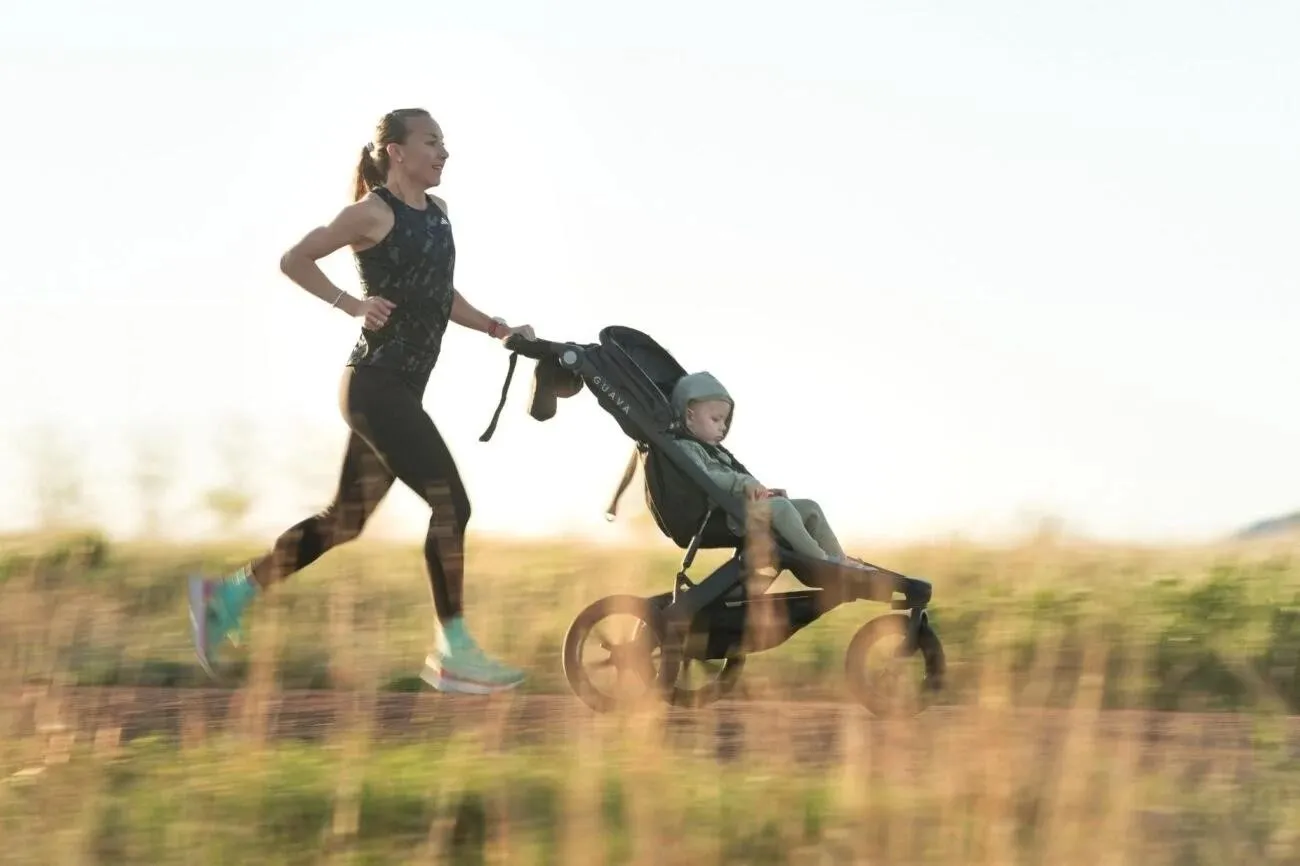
525 331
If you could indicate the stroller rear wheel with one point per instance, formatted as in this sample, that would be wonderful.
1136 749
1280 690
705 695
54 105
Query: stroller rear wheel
613 655
616 641
881 668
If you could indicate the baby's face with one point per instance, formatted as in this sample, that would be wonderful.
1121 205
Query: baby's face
707 420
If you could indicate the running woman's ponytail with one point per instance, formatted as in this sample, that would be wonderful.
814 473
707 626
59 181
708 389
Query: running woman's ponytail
372 166
367 176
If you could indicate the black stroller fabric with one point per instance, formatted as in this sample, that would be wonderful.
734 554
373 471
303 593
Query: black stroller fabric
632 377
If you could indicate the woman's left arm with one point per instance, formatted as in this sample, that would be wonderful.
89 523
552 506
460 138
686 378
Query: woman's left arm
464 313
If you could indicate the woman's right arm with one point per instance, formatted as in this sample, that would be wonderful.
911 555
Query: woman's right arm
360 223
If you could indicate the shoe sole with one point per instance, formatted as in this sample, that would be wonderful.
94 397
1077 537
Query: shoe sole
199 624
443 682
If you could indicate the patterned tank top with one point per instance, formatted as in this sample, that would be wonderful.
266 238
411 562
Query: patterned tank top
413 267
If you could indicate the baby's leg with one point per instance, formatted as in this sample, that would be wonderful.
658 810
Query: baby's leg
788 523
814 521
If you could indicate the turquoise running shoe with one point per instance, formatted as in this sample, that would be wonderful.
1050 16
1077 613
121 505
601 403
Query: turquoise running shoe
216 611
458 665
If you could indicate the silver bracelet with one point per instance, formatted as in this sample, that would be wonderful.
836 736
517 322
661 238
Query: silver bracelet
339 298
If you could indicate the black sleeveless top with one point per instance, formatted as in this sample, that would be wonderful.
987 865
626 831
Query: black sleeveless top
412 267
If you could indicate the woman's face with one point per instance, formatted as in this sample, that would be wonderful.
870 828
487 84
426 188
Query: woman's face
422 156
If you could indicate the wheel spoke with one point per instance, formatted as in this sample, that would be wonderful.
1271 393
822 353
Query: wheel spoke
639 664
601 637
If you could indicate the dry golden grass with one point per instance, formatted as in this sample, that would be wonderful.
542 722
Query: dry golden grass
1107 706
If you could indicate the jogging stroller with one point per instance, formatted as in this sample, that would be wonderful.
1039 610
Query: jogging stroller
715 621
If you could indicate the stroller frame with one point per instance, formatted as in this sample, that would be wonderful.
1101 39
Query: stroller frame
631 377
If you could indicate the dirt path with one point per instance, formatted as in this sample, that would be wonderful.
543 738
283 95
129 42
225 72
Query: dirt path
806 733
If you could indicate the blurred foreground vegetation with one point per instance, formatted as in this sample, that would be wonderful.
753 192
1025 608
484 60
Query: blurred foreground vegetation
1199 628
1047 623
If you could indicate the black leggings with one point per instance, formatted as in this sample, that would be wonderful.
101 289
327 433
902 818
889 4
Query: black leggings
392 438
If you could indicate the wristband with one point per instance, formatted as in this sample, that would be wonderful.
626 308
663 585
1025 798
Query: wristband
495 324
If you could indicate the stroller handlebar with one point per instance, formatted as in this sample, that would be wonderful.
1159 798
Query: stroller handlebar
535 349
568 353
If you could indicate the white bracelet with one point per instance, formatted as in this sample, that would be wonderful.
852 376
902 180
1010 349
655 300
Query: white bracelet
339 298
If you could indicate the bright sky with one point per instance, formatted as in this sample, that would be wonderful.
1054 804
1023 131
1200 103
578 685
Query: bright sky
958 262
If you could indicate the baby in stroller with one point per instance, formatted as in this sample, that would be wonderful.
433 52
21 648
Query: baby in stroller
705 408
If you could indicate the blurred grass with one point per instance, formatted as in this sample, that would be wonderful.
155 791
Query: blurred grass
459 802
1217 628
1046 623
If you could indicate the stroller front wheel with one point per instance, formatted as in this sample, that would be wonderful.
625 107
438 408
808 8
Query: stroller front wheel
895 688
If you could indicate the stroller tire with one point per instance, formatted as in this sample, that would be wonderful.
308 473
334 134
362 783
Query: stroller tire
880 696
643 657
636 657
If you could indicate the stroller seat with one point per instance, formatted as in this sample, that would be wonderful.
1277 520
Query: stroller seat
632 377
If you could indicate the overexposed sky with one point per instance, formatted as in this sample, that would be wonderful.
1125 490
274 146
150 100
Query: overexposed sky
957 262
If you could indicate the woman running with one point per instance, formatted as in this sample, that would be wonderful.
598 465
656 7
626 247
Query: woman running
402 242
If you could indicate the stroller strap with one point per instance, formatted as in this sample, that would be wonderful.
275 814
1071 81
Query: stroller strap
505 389
612 511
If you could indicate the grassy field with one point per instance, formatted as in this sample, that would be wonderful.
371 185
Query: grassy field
1100 636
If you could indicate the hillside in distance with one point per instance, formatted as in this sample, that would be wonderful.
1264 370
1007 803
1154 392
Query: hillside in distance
1286 524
